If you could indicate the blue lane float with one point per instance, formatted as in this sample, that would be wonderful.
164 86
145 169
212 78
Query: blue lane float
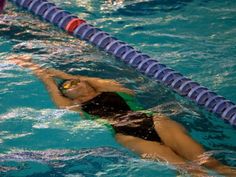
148 66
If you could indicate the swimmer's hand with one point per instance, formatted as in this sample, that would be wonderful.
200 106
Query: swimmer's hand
25 61
21 60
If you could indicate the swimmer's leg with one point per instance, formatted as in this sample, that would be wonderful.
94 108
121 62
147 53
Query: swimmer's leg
149 148
156 151
176 137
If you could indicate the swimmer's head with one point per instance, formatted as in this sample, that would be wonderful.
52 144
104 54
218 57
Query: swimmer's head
75 88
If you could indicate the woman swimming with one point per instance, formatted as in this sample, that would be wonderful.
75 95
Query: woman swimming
150 135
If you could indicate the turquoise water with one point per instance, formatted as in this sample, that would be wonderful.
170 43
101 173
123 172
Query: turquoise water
196 38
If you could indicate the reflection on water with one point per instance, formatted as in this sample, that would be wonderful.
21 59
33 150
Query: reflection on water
103 161
130 7
49 156
142 7
87 161
64 161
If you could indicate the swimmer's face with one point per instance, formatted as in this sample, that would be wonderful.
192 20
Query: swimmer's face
74 89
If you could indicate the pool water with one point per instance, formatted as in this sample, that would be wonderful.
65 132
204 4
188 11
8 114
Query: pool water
196 38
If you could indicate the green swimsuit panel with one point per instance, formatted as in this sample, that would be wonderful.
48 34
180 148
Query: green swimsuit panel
130 101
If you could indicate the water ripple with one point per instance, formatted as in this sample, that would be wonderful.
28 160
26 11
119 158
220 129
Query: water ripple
103 161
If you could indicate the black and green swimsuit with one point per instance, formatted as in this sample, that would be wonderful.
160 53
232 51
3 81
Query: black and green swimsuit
124 111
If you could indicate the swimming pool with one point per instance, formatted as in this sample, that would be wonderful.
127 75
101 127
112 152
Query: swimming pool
193 37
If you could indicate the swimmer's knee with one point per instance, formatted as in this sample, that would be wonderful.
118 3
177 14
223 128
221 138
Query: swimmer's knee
124 138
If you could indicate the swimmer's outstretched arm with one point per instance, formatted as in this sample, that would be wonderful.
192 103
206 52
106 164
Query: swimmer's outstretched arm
101 85
25 61
47 79
47 75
